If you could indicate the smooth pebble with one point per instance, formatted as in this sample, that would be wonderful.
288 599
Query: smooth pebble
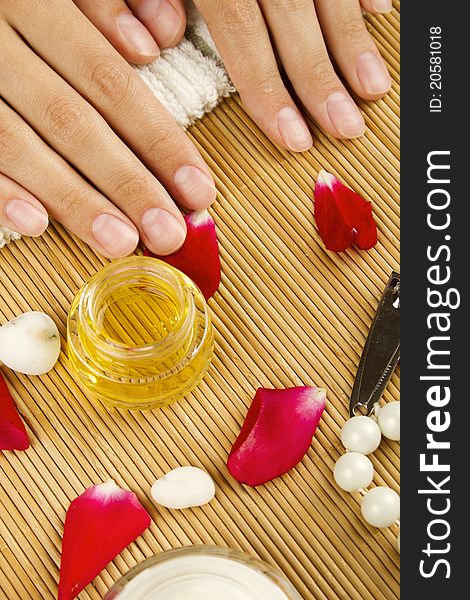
184 487
30 344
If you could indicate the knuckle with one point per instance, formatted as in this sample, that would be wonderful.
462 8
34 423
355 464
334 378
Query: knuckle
236 13
266 84
66 119
4 63
162 140
10 148
110 82
291 6
71 204
131 187
320 70
351 28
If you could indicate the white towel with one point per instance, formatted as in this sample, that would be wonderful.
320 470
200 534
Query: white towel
189 80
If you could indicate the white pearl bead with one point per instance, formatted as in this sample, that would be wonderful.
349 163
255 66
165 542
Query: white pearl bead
361 434
388 417
380 506
353 471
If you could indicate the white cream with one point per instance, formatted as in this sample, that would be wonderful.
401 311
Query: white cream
201 578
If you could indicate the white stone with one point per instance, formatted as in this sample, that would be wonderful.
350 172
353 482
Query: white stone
183 487
380 506
388 418
361 434
353 471
30 344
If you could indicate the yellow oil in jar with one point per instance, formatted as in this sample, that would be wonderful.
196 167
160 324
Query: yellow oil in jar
139 334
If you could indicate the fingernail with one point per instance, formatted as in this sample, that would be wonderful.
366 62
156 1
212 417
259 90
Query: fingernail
164 231
197 187
383 6
137 35
294 130
164 20
373 74
115 237
25 217
345 115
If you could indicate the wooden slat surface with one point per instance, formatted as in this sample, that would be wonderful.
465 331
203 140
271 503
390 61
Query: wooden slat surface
287 313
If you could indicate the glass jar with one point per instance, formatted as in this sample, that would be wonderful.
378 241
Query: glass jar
139 334
203 573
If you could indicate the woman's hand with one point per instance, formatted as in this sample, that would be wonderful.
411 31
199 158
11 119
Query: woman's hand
137 28
249 34
303 33
83 140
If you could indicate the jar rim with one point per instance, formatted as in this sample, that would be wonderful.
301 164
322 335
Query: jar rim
273 573
150 266
132 376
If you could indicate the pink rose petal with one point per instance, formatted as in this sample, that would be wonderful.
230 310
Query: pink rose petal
99 524
343 217
198 257
13 434
276 434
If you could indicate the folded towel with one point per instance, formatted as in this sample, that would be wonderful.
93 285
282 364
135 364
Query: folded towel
189 80
6 236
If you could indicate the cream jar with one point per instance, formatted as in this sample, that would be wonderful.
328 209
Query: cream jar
203 573
139 334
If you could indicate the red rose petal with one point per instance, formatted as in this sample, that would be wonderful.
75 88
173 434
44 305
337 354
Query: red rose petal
99 524
343 217
198 257
13 434
276 434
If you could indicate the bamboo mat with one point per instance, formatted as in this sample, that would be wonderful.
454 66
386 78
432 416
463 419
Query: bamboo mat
287 313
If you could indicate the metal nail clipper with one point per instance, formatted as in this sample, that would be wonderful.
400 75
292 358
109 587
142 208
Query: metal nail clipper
381 352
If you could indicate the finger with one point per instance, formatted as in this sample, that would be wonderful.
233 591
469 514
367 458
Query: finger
79 134
109 84
240 33
165 19
20 210
309 67
377 6
120 27
28 160
353 48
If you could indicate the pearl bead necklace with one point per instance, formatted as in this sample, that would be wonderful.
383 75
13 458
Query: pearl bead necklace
353 471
